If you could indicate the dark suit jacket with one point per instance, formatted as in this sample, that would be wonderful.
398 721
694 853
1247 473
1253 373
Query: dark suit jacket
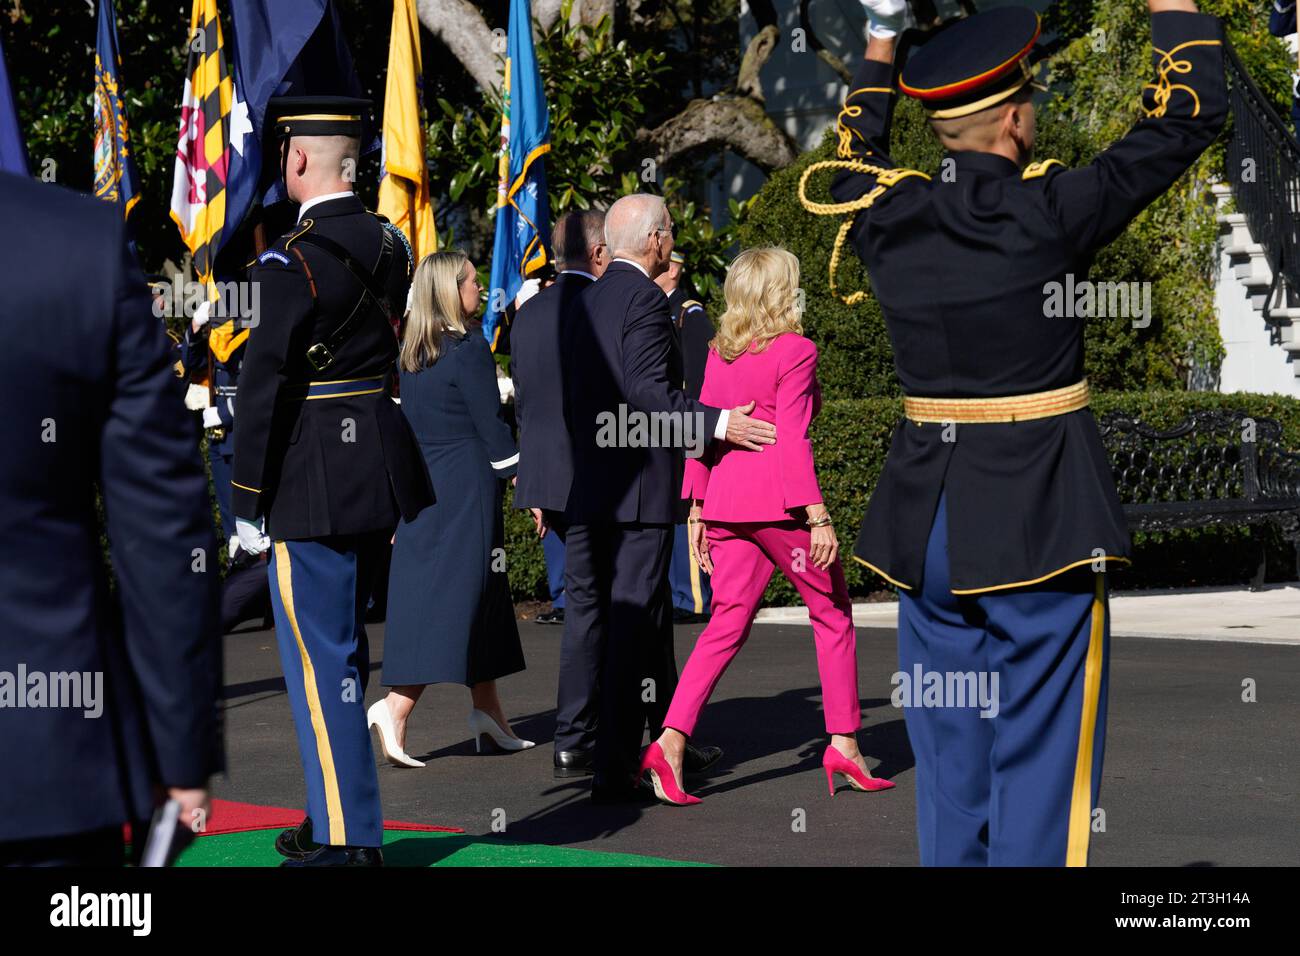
545 458
323 466
621 355
90 399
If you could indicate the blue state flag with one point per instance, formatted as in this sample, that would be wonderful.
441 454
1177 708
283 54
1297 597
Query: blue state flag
523 212
281 49
115 176
13 155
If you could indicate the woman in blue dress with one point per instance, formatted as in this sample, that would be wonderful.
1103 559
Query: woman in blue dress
450 616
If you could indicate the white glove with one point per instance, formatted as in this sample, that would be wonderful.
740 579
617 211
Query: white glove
211 417
887 18
201 315
232 546
251 538
529 289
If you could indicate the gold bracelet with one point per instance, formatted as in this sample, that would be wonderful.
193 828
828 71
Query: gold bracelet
819 522
690 520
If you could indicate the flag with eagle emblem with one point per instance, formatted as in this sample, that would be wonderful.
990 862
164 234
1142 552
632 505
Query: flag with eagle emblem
115 178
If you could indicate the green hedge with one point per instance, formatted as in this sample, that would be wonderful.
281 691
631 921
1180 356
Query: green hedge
851 438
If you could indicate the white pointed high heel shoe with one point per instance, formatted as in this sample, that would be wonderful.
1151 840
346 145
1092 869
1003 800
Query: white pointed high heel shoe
480 724
379 717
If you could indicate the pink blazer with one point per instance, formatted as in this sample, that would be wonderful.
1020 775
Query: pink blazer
739 485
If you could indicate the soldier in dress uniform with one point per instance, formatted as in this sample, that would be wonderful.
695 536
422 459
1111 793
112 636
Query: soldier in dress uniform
996 515
690 583
324 458
218 352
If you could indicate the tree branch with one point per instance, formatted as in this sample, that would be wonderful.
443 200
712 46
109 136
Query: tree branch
461 28
757 54
737 123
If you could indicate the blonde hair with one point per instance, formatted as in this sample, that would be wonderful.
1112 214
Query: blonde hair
761 289
435 308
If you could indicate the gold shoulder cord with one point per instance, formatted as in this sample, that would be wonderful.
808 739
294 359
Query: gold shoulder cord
884 179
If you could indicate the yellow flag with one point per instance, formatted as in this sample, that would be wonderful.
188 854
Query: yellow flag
404 185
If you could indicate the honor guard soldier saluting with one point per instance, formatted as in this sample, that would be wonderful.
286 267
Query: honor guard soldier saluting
996 514
325 458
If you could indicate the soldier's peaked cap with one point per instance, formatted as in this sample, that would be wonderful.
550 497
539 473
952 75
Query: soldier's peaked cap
317 115
974 63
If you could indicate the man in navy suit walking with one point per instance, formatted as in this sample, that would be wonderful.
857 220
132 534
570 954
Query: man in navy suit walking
546 469
629 421
106 698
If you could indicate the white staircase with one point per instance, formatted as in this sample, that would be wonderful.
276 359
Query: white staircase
1262 356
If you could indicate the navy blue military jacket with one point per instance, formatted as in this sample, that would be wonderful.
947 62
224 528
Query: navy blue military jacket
620 355
225 381
694 332
342 459
961 264
545 459
104 695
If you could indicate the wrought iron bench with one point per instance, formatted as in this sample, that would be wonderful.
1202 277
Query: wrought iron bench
1215 468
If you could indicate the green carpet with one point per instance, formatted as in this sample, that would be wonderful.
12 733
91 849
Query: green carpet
415 848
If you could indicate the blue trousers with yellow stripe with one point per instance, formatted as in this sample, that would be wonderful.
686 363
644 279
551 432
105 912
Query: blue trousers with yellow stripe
318 592
1017 788
690 582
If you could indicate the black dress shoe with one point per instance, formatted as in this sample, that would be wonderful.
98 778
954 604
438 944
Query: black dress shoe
700 759
296 843
554 616
340 856
574 763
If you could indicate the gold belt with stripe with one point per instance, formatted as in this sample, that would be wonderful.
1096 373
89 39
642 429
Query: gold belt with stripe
1008 408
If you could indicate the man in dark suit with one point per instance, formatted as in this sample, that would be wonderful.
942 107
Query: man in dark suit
629 422
546 466
105 697
325 458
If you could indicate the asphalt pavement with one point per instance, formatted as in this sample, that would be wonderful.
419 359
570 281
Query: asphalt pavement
1195 775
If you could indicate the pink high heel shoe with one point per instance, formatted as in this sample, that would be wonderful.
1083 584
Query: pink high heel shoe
661 775
835 762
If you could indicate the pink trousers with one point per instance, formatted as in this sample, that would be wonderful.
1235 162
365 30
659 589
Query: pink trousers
744 556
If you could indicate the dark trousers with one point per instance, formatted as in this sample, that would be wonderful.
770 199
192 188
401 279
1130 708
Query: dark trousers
617 667
223 469
553 552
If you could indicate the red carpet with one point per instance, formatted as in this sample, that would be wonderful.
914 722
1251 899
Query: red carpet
229 816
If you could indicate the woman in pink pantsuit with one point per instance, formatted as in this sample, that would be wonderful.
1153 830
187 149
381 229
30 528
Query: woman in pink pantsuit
752 512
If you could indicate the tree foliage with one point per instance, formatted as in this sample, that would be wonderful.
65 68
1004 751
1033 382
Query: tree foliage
1095 82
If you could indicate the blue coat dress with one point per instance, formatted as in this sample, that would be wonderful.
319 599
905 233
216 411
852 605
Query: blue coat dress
450 616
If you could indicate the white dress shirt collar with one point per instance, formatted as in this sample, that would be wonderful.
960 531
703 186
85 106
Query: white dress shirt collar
637 264
579 272
302 210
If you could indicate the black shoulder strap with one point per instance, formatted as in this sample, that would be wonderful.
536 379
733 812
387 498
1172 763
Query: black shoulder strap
321 354
372 283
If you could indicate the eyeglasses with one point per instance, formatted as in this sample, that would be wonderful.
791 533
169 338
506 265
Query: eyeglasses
671 229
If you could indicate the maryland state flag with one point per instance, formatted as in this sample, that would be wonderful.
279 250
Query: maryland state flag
208 109
115 177
522 210
404 180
